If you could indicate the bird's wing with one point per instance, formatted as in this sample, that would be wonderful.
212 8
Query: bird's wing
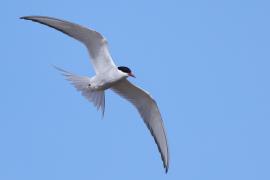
149 111
96 44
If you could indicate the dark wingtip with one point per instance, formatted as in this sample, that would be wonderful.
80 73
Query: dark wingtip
24 17
166 167
30 17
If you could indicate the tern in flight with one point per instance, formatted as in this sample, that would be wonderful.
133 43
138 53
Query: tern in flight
109 76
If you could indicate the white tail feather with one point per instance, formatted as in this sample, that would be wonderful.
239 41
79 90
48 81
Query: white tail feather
82 84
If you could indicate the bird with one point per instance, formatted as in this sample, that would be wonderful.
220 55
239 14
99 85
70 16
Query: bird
109 76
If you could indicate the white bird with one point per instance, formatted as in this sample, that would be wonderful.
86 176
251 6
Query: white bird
109 76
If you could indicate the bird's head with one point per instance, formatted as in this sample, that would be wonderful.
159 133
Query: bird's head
126 70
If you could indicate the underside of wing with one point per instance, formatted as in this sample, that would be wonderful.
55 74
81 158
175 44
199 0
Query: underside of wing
149 111
94 41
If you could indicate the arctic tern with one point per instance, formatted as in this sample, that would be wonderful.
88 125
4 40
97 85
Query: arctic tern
109 76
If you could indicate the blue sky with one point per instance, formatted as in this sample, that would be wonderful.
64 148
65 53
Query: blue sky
205 62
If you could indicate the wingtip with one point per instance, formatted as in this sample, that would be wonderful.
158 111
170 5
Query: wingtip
166 169
167 164
24 17
30 17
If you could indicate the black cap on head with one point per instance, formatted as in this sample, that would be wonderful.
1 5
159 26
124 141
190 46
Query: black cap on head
124 69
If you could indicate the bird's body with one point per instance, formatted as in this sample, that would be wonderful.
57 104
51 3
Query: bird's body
109 76
106 79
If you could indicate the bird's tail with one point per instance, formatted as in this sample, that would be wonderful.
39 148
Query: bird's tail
82 84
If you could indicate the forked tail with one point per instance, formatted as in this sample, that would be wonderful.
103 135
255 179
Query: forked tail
82 84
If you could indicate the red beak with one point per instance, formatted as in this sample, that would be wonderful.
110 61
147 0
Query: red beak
132 75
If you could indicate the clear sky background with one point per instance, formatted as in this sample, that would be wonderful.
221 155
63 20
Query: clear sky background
207 64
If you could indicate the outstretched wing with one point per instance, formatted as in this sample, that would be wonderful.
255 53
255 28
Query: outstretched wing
149 111
96 44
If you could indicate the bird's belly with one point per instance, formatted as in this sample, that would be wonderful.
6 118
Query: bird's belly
105 83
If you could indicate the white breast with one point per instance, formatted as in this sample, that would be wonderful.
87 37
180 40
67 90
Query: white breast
107 79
